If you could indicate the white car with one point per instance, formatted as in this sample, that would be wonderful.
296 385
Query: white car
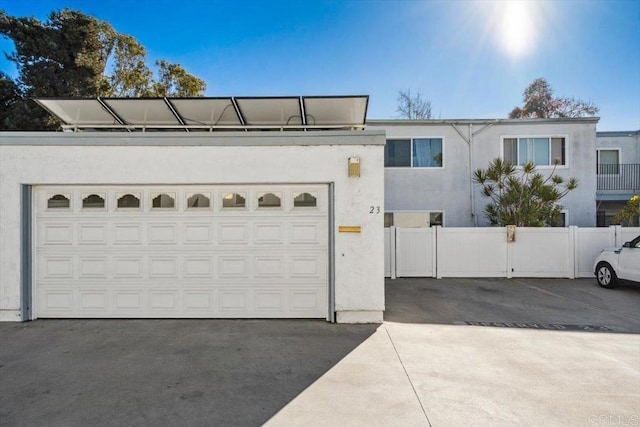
615 264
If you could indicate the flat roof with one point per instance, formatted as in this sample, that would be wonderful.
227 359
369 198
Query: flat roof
210 114
432 122
618 133
180 138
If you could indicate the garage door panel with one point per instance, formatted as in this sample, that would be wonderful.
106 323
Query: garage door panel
159 302
163 300
55 233
163 267
305 232
56 300
162 234
93 301
183 261
303 301
127 234
199 301
198 267
233 301
52 267
269 267
306 267
128 302
197 234
93 267
268 233
128 267
232 233
93 234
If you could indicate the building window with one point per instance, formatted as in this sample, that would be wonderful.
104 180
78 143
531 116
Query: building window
413 219
269 200
414 153
198 200
388 219
435 218
163 201
539 150
562 220
59 201
304 200
128 201
93 201
608 162
234 200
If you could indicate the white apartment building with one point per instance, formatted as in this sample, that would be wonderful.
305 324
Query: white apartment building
429 165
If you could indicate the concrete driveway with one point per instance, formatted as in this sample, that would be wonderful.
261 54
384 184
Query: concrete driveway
426 365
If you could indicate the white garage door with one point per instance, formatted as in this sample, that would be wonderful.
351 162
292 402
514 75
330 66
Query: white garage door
181 251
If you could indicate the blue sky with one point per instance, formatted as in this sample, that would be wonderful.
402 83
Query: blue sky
470 59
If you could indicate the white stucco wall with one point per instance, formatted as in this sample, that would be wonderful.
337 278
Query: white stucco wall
178 158
627 142
450 189
580 164
434 189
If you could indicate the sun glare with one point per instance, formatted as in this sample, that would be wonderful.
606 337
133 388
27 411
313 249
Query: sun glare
516 32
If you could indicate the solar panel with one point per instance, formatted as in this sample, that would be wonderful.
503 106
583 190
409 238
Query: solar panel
270 111
338 110
142 111
230 113
78 111
207 111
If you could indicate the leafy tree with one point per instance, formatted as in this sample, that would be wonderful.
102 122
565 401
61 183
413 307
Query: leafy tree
413 107
629 213
130 76
524 197
174 80
539 102
67 56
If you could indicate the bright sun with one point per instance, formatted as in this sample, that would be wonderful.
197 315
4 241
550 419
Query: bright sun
516 32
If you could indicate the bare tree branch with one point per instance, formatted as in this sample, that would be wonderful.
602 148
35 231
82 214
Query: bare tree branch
539 102
413 107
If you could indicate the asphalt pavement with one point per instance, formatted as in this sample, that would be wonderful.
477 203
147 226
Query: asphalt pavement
452 352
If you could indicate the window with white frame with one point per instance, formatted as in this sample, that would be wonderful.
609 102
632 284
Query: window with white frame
562 220
413 219
539 150
608 161
414 153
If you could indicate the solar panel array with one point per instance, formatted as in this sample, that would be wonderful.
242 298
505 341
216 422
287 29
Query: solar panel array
210 114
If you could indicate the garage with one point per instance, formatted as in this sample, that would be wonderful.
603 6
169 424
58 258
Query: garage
182 251
194 208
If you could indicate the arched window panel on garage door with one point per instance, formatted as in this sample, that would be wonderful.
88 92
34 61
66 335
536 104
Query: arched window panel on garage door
59 201
163 201
197 201
93 201
269 200
305 200
128 201
234 200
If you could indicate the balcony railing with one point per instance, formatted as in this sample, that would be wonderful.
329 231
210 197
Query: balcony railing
620 177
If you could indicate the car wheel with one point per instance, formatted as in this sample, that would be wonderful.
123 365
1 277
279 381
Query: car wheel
606 276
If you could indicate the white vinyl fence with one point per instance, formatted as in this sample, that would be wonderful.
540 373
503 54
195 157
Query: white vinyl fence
484 251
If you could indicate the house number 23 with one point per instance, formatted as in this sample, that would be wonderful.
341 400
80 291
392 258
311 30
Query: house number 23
374 209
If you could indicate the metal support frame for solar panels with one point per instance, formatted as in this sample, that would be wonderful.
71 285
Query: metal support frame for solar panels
112 119
175 113
110 111
143 127
303 115
238 112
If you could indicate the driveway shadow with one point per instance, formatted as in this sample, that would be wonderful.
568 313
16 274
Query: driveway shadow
163 372
554 304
